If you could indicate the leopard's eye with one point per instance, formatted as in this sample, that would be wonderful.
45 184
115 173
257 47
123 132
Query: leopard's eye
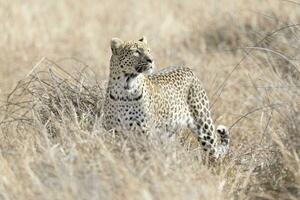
137 53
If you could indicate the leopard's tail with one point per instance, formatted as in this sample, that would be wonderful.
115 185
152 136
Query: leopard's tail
224 138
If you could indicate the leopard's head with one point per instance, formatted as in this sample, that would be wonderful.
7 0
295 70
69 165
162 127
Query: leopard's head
131 57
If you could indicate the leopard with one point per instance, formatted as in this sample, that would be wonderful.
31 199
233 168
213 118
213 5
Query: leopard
140 99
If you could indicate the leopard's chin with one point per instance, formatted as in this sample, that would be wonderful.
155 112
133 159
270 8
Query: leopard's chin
148 71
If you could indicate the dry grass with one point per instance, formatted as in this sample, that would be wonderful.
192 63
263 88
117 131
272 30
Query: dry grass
52 145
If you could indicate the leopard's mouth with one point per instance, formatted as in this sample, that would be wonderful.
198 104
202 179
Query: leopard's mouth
144 68
129 79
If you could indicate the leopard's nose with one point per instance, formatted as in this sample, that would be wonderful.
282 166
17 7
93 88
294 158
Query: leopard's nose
149 60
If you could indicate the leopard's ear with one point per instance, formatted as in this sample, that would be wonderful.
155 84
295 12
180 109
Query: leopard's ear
143 39
115 44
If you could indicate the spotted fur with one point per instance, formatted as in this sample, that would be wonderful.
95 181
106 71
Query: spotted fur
139 100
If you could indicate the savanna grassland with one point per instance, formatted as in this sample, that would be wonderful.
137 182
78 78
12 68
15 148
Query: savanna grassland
54 62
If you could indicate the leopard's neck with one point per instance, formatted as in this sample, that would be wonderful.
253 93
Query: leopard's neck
126 87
